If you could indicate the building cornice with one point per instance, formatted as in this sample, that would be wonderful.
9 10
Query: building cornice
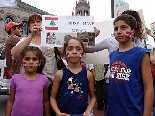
25 6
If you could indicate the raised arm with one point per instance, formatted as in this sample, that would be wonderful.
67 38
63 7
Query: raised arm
104 44
25 42
20 46
148 31
148 85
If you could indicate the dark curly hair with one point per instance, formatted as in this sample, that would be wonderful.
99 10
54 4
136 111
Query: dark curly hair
128 19
139 30
38 54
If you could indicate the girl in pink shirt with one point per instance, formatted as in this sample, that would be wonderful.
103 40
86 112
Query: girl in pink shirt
29 90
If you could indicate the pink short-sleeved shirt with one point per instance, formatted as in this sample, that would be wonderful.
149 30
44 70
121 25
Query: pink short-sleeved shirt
29 95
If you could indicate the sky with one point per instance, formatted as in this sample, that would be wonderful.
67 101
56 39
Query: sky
100 9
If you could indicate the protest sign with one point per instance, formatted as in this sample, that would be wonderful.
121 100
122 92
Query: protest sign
119 7
57 28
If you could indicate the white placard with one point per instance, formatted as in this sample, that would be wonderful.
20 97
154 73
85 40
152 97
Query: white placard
55 28
143 21
102 57
119 7
8 3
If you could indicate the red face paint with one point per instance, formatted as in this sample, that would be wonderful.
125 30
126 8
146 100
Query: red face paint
24 64
37 64
128 35
67 56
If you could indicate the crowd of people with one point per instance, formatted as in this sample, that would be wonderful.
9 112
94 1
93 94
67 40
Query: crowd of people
38 88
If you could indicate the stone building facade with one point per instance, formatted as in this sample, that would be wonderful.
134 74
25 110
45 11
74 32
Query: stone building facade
82 8
17 14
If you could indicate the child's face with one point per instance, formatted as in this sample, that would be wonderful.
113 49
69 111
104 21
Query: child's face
123 31
30 62
74 51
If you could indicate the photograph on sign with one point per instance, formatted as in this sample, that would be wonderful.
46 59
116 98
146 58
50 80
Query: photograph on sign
88 38
51 38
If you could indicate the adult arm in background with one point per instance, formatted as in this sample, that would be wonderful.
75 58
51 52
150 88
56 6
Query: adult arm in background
26 42
104 44
148 31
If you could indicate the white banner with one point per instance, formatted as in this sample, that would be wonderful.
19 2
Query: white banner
8 3
57 28
119 7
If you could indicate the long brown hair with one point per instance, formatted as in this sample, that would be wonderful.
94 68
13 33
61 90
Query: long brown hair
139 30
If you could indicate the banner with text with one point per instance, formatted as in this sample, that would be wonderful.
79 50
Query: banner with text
56 29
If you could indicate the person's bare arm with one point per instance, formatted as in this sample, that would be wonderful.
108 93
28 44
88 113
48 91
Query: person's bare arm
54 92
46 102
148 85
148 31
91 93
10 102
92 71
26 42
96 31
18 48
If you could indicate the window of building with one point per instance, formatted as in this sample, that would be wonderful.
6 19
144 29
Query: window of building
7 20
25 28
